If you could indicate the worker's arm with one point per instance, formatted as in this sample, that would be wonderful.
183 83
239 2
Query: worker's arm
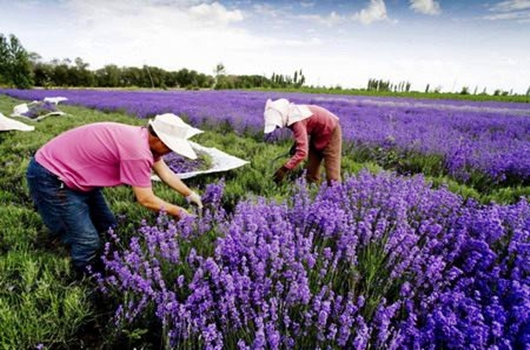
173 181
146 197
169 177
302 145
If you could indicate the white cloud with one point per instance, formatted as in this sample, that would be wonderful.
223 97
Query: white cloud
215 13
141 10
511 10
331 20
170 35
267 10
306 4
199 34
517 16
511 5
376 11
427 7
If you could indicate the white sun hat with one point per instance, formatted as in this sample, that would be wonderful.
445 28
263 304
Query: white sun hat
273 120
282 113
174 133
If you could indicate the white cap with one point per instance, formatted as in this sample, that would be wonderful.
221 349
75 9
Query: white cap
174 133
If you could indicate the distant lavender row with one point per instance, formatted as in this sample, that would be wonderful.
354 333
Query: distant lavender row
377 262
490 137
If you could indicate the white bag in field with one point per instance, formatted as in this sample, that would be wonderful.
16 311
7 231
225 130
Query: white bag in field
221 161
55 100
7 124
37 110
20 109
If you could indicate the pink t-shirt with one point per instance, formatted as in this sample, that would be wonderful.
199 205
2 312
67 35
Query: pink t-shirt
99 155
319 127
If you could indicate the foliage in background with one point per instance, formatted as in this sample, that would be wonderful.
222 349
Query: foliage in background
15 66
381 85
26 70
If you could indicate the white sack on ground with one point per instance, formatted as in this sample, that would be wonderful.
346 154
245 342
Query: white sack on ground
7 124
55 100
221 161
38 110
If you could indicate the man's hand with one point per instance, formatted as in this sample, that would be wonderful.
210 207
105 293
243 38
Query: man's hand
279 175
194 198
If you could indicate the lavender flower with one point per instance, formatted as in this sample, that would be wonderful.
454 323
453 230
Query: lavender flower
467 138
377 261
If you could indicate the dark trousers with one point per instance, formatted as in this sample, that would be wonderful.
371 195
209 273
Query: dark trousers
75 217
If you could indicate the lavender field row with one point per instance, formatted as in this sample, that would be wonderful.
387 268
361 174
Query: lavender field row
378 262
491 138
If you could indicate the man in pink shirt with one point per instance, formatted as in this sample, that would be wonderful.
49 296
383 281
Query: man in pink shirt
67 174
317 134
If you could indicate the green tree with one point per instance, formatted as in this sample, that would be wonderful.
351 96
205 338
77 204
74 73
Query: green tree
219 71
4 65
80 75
43 73
184 78
15 65
61 72
22 73
109 76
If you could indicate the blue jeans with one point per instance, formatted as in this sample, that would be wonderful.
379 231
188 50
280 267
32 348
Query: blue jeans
75 217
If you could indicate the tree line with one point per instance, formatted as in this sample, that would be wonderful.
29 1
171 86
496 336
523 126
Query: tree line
387 86
22 69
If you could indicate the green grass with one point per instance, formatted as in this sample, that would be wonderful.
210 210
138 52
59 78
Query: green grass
39 301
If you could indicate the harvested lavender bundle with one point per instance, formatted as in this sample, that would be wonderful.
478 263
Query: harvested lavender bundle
40 109
180 164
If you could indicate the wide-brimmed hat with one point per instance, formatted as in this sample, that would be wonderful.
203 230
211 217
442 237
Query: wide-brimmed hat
282 113
174 133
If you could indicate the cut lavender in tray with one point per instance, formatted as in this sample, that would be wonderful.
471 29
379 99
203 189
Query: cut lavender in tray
180 164
40 109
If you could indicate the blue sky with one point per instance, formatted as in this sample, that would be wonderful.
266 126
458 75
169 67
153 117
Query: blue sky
446 44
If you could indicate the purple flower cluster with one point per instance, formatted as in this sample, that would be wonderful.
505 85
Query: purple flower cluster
379 261
470 137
